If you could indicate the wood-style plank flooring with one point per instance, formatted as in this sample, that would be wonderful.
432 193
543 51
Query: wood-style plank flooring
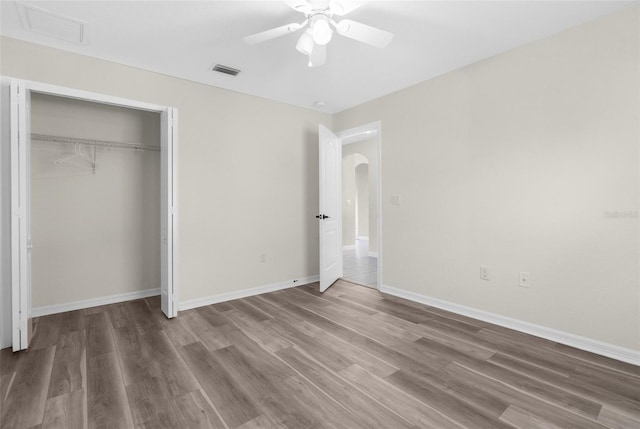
349 358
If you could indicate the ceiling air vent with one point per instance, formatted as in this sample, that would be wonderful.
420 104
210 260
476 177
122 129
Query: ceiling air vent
52 24
226 70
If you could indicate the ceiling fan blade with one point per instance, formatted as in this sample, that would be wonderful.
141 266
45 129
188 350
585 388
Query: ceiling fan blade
343 7
364 33
318 55
299 5
273 33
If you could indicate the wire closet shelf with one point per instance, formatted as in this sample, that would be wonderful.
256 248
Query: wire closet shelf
100 143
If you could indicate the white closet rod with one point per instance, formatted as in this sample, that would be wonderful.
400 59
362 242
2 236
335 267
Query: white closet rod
104 143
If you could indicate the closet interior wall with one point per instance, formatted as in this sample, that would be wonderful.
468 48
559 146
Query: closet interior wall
95 208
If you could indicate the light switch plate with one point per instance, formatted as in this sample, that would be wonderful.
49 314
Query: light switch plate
485 272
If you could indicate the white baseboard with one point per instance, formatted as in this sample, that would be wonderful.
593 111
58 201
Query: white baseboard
362 238
186 305
88 303
373 254
605 349
229 296
349 246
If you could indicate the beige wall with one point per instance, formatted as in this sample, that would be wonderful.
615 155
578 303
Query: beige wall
362 197
5 216
94 233
514 162
247 169
348 199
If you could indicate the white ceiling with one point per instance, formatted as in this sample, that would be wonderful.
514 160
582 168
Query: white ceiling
186 38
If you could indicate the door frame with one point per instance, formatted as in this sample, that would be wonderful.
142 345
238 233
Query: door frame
21 301
358 134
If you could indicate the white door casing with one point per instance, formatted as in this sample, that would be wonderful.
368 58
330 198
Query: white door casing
358 134
330 217
20 215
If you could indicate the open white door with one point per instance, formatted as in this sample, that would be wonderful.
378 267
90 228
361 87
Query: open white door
168 204
330 217
20 216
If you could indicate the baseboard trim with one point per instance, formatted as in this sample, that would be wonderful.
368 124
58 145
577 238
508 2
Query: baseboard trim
373 254
244 293
95 302
583 343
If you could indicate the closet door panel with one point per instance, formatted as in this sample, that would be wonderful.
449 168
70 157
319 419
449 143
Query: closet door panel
20 216
168 134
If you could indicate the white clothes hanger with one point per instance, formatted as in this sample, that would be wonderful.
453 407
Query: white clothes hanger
79 159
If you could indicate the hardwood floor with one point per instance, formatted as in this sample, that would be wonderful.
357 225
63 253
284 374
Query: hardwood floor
349 358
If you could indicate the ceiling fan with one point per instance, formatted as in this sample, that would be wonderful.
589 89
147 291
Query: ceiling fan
320 27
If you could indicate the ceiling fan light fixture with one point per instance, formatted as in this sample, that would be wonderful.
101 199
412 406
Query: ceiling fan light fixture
321 29
305 42
318 28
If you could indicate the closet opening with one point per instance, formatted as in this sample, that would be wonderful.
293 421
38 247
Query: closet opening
93 202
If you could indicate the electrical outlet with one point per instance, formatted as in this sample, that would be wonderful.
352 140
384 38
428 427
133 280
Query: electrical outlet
396 200
524 279
263 257
485 273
